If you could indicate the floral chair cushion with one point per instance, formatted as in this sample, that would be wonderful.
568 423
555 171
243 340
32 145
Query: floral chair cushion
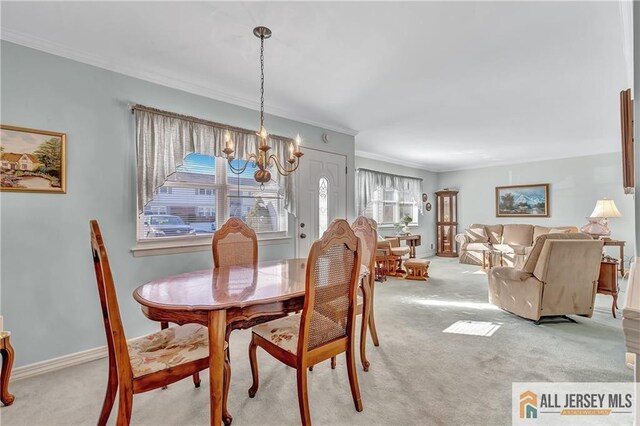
364 271
168 348
284 332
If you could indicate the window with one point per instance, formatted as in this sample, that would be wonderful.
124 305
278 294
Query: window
389 206
323 212
203 193
262 209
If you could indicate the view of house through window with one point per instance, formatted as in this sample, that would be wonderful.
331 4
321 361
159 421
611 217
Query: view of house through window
389 206
203 192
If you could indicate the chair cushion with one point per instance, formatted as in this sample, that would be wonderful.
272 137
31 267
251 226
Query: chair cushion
478 246
417 262
511 248
476 235
519 234
400 251
364 271
284 332
168 348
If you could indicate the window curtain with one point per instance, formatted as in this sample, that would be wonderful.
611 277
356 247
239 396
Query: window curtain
164 139
370 180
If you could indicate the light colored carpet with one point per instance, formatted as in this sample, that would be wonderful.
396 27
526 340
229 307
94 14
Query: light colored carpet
418 375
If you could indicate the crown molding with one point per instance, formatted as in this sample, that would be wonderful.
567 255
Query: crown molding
57 49
385 159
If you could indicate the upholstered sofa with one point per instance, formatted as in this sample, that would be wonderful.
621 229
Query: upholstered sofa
512 241
559 277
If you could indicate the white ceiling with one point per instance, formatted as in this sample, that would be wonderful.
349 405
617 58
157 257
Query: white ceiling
438 85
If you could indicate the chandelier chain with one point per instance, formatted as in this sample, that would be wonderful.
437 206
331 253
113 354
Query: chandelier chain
261 82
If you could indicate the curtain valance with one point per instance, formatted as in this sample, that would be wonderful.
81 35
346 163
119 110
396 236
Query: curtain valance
370 180
164 139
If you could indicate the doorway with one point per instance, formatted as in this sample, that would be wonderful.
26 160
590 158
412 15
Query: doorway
322 196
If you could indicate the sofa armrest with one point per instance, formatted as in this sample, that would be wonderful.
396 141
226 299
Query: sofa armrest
511 274
462 239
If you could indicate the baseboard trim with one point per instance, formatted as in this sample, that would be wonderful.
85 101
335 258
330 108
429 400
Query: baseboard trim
59 363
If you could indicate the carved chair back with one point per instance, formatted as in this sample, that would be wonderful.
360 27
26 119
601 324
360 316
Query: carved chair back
235 244
368 236
116 340
331 283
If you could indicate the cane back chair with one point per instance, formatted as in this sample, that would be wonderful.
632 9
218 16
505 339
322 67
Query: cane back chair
320 331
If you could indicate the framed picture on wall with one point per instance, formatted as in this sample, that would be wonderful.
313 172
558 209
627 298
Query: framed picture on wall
32 160
522 201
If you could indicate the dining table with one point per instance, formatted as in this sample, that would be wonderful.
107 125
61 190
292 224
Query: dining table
224 299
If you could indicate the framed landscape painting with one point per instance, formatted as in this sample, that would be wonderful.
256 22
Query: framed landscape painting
522 201
32 160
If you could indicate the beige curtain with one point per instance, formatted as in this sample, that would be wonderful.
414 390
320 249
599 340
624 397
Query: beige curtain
164 139
370 180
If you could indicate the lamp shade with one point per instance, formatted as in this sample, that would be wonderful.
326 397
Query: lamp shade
606 208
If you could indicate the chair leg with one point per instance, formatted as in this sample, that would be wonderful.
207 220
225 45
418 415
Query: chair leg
303 396
125 404
110 396
5 373
333 362
226 417
366 309
353 377
372 317
196 380
253 361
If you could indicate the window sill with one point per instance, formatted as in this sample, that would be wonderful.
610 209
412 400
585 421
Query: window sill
412 225
154 248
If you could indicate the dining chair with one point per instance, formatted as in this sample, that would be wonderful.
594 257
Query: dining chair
320 331
145 363
235 243
365 230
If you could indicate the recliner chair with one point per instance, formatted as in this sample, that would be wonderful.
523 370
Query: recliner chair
558 278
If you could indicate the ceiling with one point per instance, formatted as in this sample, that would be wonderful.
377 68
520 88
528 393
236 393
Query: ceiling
437 85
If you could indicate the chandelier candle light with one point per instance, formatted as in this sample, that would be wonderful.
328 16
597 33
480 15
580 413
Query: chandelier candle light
263 160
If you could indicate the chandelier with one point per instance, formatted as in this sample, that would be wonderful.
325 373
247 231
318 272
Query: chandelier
262 159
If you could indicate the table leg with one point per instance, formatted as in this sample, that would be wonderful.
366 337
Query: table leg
622 261
7 363
217 326
412 251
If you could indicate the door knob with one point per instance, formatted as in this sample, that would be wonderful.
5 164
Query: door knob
303 235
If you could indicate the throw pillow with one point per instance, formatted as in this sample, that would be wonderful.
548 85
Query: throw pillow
559 231
477 235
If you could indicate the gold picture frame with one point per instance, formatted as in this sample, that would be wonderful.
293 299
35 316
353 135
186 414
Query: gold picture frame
32 160
522 200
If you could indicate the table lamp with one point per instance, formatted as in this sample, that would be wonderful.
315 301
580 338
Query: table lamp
598 225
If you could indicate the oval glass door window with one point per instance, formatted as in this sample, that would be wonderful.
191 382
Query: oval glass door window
323 206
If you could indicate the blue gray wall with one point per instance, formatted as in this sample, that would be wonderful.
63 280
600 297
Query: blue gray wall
576 184
49 298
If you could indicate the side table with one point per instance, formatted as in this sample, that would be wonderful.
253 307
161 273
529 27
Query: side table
620 244
7 362
608 282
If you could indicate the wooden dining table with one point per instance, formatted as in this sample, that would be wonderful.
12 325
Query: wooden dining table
224 299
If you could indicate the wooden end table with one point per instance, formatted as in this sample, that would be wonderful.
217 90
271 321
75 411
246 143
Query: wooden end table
608 282
7 362
620 244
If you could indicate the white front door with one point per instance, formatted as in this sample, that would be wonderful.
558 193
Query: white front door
322 195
